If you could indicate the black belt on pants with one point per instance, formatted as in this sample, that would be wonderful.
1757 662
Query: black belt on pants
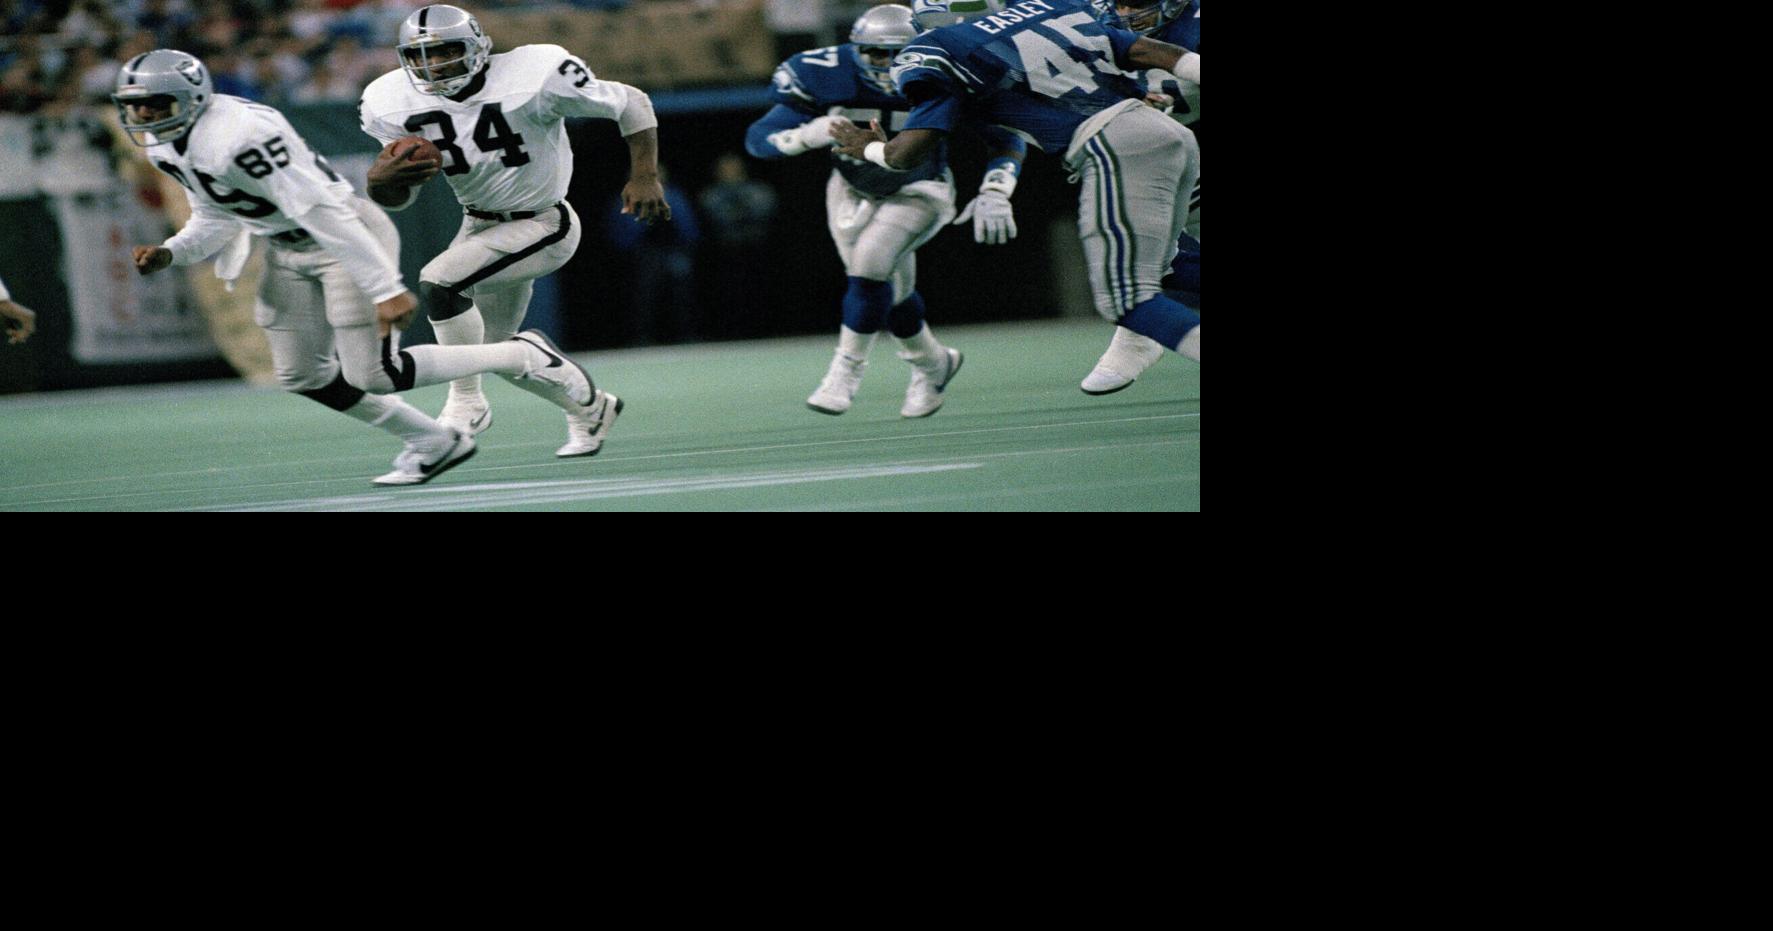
514 215
292 237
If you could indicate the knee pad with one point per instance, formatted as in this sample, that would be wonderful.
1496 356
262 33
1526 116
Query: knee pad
867 304
441 302
338 394
906 320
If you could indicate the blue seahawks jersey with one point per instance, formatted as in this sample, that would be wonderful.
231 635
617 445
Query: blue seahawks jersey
829 80
1040 68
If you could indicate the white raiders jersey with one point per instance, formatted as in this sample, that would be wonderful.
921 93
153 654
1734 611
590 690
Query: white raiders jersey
243 161
503 137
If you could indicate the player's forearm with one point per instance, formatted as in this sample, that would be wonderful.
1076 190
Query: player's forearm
905 151
643 154
1150 53
202 237
340 231
785 132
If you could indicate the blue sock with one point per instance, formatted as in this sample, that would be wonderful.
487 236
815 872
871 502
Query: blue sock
907 318
866 304
1161 319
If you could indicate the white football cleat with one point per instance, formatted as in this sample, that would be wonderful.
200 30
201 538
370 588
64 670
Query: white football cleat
924 396
551 366
416 466
471 416
585 432
1128 355
840 384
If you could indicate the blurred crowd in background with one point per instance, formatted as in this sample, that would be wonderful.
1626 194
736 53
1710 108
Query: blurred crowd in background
59 54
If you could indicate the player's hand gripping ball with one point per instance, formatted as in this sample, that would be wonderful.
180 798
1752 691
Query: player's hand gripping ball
408 160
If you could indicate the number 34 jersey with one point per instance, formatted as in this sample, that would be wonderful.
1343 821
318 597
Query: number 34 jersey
244 162
503 136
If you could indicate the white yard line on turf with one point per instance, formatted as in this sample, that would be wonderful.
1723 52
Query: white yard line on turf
604 460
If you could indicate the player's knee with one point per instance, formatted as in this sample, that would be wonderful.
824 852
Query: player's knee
301 379
440 302
369 375
906 319
337 394
873 262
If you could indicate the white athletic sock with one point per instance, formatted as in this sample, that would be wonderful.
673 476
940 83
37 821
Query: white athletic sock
464 329
435 364
394 415
921 349
853 344
1190 346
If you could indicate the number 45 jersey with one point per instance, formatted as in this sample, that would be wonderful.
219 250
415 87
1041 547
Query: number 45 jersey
1041 68
503 136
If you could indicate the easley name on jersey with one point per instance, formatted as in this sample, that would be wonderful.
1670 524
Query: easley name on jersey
503 137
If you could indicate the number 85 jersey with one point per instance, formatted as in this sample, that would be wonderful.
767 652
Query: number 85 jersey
503 136
243 162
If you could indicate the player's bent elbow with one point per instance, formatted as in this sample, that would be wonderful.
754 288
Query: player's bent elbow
757 144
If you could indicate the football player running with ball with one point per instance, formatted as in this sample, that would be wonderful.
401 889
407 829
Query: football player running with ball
331 291
880 217
499 123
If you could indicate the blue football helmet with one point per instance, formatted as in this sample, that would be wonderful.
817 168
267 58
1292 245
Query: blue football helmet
934 14
1141 16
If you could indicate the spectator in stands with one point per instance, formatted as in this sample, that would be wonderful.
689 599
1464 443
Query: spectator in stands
738 212
662 258
24 88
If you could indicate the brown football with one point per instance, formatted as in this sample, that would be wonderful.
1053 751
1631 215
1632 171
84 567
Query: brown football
427 150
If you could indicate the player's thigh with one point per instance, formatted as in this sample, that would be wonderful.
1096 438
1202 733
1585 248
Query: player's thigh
520 250
346 304
895 231
1106 239
362 355
291 308
503 306
844 215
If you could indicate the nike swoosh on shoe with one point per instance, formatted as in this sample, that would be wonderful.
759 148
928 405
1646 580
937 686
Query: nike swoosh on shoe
553 360
428 468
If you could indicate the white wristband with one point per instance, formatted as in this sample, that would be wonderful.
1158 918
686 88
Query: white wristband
876 153
1188 67
1001 181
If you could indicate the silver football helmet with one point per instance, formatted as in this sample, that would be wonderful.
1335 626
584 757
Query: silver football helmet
888 26
162 93
934 14
442 48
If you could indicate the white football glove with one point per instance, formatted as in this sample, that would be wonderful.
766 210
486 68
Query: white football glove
815 134
994 220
